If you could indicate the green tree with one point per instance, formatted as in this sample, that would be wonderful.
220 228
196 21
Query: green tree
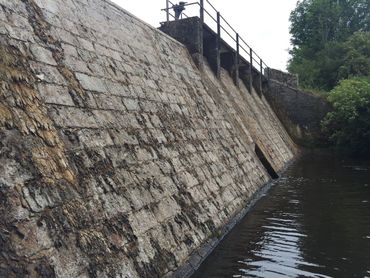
356 61
348 125
322 32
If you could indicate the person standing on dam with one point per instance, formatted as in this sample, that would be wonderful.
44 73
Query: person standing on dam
178 9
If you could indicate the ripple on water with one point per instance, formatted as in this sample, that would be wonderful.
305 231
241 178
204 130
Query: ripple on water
313 223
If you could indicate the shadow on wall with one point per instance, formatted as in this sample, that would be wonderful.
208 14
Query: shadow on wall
261 156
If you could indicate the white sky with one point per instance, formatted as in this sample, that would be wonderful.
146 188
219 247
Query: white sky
263 24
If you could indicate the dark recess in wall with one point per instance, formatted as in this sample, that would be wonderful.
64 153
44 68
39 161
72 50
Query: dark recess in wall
266 163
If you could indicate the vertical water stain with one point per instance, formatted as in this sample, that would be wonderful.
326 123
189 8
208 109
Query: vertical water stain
22 109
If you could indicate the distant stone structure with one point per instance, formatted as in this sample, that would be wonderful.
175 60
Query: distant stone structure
118 156
288 79
301 112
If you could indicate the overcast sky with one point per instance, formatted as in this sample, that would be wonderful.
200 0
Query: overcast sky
264 24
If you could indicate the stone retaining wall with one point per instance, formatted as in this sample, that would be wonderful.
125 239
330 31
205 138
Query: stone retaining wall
301 112
119 157
288 79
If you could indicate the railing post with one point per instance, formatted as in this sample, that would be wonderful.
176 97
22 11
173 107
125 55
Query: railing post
168 10
201 25
261 75
237 61
201 11
218 47
250 69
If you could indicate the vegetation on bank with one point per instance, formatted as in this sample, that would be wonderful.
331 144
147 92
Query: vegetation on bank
331 55
348 125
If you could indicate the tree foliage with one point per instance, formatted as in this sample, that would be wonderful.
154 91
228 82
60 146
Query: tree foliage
331 41
348 125
356 60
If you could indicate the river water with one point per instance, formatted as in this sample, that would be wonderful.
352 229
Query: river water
314 222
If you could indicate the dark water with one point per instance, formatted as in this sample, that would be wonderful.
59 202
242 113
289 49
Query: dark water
315 222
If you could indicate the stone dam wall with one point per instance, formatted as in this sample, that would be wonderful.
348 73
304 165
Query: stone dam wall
300 112
118 156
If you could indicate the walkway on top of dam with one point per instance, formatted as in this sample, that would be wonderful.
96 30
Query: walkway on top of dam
209 34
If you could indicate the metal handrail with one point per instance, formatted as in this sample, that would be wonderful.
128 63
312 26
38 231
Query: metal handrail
246 51
228 24
212 6
240 42
231 36
215 20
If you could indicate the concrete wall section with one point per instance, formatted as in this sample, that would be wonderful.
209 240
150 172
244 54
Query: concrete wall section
119 158
188 31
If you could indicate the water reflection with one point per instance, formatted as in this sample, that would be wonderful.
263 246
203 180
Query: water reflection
314 223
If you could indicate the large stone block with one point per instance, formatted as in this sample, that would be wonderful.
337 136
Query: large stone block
55 94
92 83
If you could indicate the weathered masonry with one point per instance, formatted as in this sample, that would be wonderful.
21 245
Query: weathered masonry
119 157
300 112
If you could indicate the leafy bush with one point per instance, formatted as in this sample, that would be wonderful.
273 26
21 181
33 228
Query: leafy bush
348 126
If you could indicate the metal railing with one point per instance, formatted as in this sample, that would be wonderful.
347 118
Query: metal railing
171 15
225 32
